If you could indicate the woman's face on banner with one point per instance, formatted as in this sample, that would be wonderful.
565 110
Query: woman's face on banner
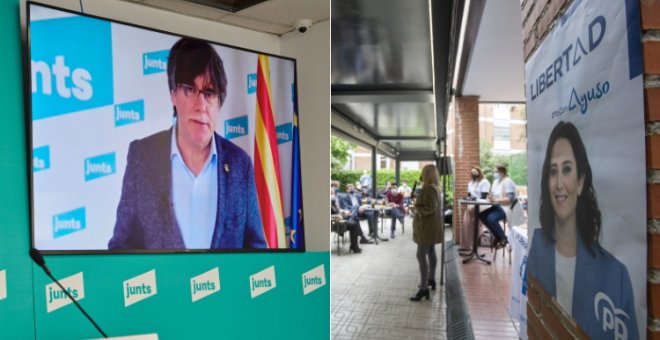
197 111
564 184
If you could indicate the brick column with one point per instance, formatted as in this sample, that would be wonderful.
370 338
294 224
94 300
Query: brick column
650 15
466 150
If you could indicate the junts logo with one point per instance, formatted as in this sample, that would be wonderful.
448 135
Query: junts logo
262 281
128 113
100 166
205 284
284 133
251 83
68 76
140 288
56 298
69 222
236 127
154 62
3 284
313 279
41 158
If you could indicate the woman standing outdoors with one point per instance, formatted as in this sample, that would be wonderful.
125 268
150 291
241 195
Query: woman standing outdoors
428 229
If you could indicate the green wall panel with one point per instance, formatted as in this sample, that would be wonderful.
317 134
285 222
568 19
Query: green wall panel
283 312
16 313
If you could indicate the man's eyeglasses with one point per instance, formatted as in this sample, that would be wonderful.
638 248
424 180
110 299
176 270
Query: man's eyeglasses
190 92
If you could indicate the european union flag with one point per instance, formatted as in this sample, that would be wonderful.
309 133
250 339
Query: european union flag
297 236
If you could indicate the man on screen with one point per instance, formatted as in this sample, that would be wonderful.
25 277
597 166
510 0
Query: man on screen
187 187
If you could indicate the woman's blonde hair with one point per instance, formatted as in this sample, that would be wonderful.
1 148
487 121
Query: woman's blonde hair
430 175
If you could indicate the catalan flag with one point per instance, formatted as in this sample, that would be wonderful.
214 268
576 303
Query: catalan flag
297 236
267 161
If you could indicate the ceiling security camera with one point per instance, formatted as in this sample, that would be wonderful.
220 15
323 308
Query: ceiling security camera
303 25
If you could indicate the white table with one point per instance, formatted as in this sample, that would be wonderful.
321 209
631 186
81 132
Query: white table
475 244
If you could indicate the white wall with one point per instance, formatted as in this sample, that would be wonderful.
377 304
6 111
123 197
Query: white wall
312 50
136 14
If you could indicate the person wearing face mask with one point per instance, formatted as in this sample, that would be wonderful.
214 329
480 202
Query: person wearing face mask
350 201
503 193
477 188
395 201
344 217
334 185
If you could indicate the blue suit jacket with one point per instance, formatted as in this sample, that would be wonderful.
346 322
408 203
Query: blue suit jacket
145 214
602 286
345 202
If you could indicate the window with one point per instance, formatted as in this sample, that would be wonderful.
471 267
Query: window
502 133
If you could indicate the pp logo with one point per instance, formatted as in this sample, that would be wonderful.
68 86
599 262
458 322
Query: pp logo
251 83
236 127
284 133
262 282
129 113
69 222
140 288
154 62
68 76
612 318
100 166
56 298
41 158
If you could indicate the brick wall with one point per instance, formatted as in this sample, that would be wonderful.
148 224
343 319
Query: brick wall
466 149
545 319
650 14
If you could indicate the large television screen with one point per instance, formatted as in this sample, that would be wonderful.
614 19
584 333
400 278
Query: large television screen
148 141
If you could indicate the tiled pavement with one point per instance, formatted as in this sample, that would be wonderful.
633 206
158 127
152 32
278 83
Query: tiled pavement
370 291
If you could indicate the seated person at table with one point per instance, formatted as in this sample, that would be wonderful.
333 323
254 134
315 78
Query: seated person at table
350 200
351 226
477 189
395 201
502 193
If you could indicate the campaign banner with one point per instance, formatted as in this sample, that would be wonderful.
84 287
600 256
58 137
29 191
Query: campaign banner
518 303
586 163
